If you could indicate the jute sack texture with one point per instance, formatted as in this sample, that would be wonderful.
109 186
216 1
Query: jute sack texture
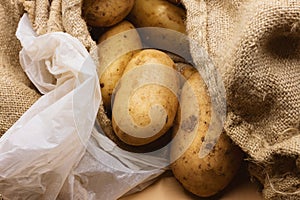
256 47
16 91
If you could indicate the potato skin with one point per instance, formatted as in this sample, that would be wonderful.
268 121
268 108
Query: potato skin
112 61
146 96
186 70
157 13
202 176
116 29
105 13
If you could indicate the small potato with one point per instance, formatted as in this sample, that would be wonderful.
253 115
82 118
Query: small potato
186 70
157 13
162 25
116 47
105 13
202 176
145 102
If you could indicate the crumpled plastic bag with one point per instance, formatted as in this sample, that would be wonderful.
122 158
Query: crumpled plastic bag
40 149
55 150
108 172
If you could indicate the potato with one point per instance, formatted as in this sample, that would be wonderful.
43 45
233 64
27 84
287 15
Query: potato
105 13
186 70
202 176
145 102
157 13
176 58
162 25
118 28
116 48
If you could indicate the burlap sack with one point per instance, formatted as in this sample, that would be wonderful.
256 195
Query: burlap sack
16 91
256 47
60 15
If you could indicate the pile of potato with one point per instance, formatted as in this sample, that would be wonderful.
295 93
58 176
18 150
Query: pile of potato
145 98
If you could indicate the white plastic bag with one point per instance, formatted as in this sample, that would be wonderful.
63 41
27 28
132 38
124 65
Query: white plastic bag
108 172
38 152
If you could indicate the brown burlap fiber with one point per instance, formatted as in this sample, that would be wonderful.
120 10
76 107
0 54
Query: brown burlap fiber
256 47
63 16
16 93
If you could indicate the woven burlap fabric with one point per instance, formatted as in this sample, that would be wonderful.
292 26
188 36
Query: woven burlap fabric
60 16
256 47
16 91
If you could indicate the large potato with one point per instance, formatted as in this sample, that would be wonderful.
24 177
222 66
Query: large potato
104 13
116 47
157 13
145 102
211 174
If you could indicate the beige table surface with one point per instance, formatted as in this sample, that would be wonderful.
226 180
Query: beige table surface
167 188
